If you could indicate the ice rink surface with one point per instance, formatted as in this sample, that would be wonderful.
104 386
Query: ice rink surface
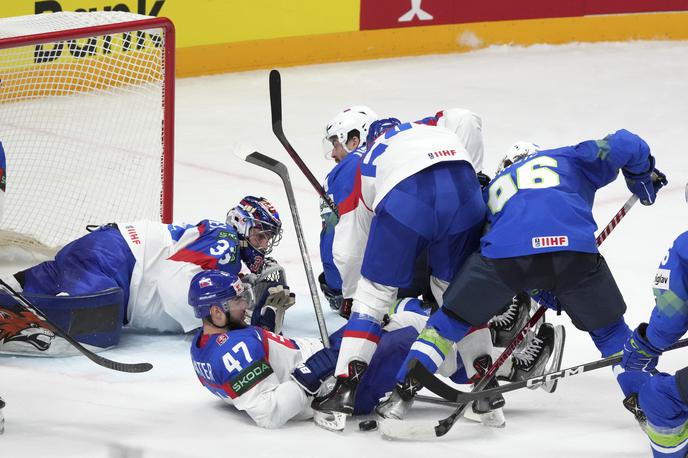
550 95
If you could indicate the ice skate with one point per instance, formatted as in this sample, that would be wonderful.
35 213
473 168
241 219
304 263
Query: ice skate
532 360
343 395
489 409
400 400
505 326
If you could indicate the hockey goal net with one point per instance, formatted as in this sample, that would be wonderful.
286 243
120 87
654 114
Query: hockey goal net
86 121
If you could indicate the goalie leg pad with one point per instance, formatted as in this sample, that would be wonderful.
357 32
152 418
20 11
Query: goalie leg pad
95 320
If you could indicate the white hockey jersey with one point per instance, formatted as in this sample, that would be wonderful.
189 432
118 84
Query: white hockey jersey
167 258
396 155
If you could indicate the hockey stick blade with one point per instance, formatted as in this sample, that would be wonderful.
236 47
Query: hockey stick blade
461 396
99 360
276 111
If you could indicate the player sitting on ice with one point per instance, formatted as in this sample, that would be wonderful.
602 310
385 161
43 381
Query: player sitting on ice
541 235
273 378
134 274
660 402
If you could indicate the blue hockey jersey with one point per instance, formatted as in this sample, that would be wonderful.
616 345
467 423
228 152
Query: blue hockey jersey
669 320
338 185
544 203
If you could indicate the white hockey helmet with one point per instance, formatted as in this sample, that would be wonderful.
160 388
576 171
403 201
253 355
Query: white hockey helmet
358 117
517 152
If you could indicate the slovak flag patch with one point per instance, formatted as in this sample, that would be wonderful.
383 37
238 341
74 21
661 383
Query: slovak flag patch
205 282
550 241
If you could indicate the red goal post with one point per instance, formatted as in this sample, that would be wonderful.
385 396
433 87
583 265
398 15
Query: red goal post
87 123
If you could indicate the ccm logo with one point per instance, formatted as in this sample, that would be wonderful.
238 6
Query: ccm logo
554 376
442 153
551 241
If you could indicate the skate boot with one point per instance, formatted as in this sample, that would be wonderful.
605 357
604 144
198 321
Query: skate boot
342 397
487 411
532 360
484 405
505 326
400 400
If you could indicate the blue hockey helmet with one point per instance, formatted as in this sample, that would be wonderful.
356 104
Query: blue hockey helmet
379 127
214 287
259 227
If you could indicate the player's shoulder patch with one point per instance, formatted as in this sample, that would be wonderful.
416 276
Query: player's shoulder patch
661 280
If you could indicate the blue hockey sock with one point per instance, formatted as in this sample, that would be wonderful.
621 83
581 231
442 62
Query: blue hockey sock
611 339
667 416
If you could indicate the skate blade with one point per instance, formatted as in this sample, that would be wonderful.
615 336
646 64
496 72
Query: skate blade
556 358
331 421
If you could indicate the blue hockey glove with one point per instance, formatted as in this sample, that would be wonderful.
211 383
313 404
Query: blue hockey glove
638 353
318 368
645 185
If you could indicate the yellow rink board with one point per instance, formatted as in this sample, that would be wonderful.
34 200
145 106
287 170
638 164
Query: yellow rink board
410 41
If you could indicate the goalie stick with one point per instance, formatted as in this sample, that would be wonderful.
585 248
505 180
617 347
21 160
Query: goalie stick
276 109
398 429
101 361
280 169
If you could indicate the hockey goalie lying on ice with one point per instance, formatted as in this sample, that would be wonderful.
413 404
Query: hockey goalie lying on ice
135 275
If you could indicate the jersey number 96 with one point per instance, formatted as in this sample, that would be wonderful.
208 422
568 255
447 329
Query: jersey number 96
536 173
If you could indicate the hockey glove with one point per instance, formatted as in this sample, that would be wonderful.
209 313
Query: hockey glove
334 296
312 373
645 185
484 180
269 310
546 298
638 353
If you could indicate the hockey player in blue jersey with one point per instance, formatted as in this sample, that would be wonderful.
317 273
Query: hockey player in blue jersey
540 235
273 378
153 263
661 404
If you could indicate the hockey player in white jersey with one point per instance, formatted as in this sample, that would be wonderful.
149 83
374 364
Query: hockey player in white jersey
273 378
414 189
153 264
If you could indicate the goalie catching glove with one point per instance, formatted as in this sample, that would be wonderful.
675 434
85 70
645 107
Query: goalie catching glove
270 309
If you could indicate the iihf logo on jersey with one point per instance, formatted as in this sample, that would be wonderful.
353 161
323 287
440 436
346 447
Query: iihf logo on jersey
550 241
442 153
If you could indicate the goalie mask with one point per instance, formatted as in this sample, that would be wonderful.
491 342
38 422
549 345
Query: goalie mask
517 152
259 228
225 290
339 130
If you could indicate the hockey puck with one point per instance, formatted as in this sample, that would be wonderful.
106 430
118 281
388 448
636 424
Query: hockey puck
368 425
